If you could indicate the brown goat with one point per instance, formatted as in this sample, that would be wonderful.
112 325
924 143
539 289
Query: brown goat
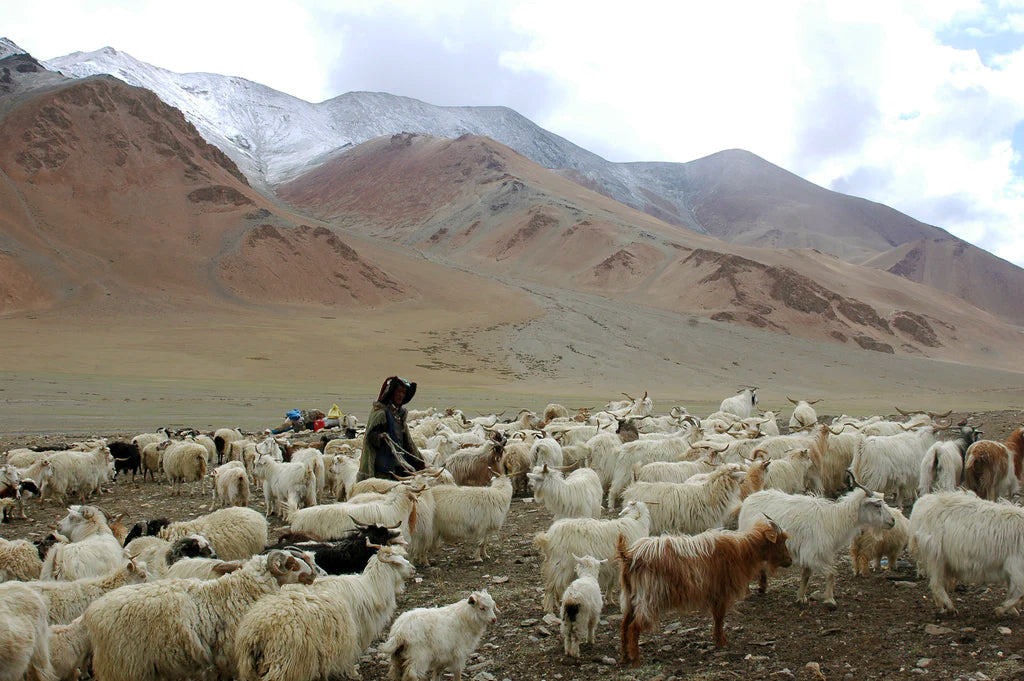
708 571
993 469
476 466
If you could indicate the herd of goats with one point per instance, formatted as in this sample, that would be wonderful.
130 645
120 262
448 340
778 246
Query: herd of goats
675 512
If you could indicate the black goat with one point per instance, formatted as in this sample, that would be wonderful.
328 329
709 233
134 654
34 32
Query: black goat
127 457
192 546
146 528
351 553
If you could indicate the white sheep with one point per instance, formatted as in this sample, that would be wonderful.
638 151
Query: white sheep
67 600
472 514
957 536
222 439
24 635
75 471
586 536
70 647
581 605
231 484
201 568
19 560
817 528
577 496
234 533
92 552
185 461
187 624
689 507
153 458
320 632
142 440
426 642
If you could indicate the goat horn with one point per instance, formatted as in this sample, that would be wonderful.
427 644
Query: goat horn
939 416
815 401
791 399
949 422
850 478
371 545
909 413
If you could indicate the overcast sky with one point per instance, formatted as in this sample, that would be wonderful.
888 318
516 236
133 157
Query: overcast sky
917 104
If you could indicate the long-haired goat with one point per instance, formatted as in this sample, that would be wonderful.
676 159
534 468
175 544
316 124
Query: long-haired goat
818 528
942 468
706 572
957 536
993 469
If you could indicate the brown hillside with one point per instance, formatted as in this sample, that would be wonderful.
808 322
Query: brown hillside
110 196
477 205
956 266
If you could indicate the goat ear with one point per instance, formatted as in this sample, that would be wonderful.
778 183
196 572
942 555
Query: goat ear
472 600
772 535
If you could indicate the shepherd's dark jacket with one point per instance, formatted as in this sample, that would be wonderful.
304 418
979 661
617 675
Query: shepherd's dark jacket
377 459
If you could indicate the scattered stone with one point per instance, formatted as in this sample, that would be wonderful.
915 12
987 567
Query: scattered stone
610 661
528 623
1006 631
936 630
815 670
543 632
924 662
755 658
918 670
499 580
659 677
479 666
783 673
485 676
673 627
551 620
418 580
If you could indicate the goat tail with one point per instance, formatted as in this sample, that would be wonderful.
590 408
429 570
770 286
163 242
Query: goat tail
399 669
570 611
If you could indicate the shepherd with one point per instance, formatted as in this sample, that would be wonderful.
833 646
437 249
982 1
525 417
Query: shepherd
387 445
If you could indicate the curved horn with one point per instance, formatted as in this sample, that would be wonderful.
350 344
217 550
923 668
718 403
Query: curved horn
948 422
939 416
791 399
909 413
371 545
852 480
815 401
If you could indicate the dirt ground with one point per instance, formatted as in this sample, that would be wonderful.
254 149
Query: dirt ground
884 628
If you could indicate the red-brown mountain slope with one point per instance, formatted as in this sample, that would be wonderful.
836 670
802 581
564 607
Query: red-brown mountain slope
476 204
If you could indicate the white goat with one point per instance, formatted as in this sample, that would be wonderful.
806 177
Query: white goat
942 468
426 642
689 507
804 415
320 632
586 536
581 605
818 528
577 496
957 536
92 552
472 514
891 464
741 404
285 485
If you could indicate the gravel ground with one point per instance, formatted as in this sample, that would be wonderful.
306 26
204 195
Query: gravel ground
884 628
